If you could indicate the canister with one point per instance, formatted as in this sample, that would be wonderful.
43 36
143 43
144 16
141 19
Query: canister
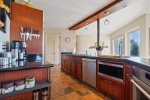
19 85
7 87
30 82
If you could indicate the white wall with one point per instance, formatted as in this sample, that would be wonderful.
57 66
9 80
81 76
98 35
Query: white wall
67 47
85 41
5 36
148 32
60 44
138 24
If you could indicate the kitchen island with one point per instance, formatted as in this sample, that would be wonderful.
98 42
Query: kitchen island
20 70
113 73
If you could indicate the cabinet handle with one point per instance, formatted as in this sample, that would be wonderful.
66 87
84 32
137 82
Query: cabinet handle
107 81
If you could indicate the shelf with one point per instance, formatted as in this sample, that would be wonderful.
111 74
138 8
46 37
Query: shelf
39 85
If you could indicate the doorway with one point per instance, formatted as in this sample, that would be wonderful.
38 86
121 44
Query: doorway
53 52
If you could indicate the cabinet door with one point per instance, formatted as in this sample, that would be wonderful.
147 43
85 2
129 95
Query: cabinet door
113 88
65 65
62 63
72 67
79 70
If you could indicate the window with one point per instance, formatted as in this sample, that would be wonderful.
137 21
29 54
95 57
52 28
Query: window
134 43
115 46
119 46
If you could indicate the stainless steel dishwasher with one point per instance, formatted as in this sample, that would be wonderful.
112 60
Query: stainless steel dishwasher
89 71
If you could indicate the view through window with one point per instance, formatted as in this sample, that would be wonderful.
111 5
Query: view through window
119 46
134 40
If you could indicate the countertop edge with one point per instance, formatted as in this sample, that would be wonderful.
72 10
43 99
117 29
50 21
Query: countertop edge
124 60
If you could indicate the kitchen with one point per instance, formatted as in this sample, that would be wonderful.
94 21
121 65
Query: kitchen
62 52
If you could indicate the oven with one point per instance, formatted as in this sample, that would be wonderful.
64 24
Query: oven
110 69
140 84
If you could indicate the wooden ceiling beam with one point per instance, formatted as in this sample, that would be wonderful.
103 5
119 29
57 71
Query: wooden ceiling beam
114 6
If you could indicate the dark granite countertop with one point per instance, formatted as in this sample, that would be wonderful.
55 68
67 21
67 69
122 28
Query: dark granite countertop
134 61
22 65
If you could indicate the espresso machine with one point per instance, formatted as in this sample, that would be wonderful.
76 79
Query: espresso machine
18 49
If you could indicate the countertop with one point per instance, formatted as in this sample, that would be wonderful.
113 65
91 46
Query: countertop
23 65
134 61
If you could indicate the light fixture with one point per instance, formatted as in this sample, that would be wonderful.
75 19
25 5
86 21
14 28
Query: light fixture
106 12
71 24
86 29
106 22
86 23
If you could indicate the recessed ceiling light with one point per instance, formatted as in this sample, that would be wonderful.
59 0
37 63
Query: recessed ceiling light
71 24
106 12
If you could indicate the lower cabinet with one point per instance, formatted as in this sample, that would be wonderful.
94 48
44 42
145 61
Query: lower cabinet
79 70
128 86
72 65
113 88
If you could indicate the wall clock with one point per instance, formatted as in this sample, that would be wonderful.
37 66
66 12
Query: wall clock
67 39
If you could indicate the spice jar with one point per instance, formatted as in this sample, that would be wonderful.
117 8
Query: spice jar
19 85
30 82
7 87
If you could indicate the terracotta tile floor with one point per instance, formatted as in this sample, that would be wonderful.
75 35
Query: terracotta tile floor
65 87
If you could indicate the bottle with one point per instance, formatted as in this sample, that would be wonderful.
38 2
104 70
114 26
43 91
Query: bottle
36 95
44 94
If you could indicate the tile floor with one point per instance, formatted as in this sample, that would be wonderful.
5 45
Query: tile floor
65 87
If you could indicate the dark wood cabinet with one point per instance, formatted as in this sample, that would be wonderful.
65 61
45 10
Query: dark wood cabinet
128 86
62 63
72 66
119 89
111 87
79 70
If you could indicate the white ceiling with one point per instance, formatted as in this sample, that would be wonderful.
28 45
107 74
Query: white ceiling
119 18
60 13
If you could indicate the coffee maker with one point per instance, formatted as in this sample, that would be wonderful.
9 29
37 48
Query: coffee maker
18 49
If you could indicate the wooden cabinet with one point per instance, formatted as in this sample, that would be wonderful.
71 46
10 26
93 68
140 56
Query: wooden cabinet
72 65
79 70
62 63
128 86
111 87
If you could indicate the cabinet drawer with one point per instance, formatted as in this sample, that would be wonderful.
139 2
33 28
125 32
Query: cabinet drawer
111 87
107 85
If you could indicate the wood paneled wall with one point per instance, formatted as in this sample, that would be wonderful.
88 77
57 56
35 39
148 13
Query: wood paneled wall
27 17
39 74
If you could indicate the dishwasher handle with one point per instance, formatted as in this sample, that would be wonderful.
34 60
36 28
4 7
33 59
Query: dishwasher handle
140 88
89 60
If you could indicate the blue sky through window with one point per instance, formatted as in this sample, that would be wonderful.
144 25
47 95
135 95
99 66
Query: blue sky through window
135 36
